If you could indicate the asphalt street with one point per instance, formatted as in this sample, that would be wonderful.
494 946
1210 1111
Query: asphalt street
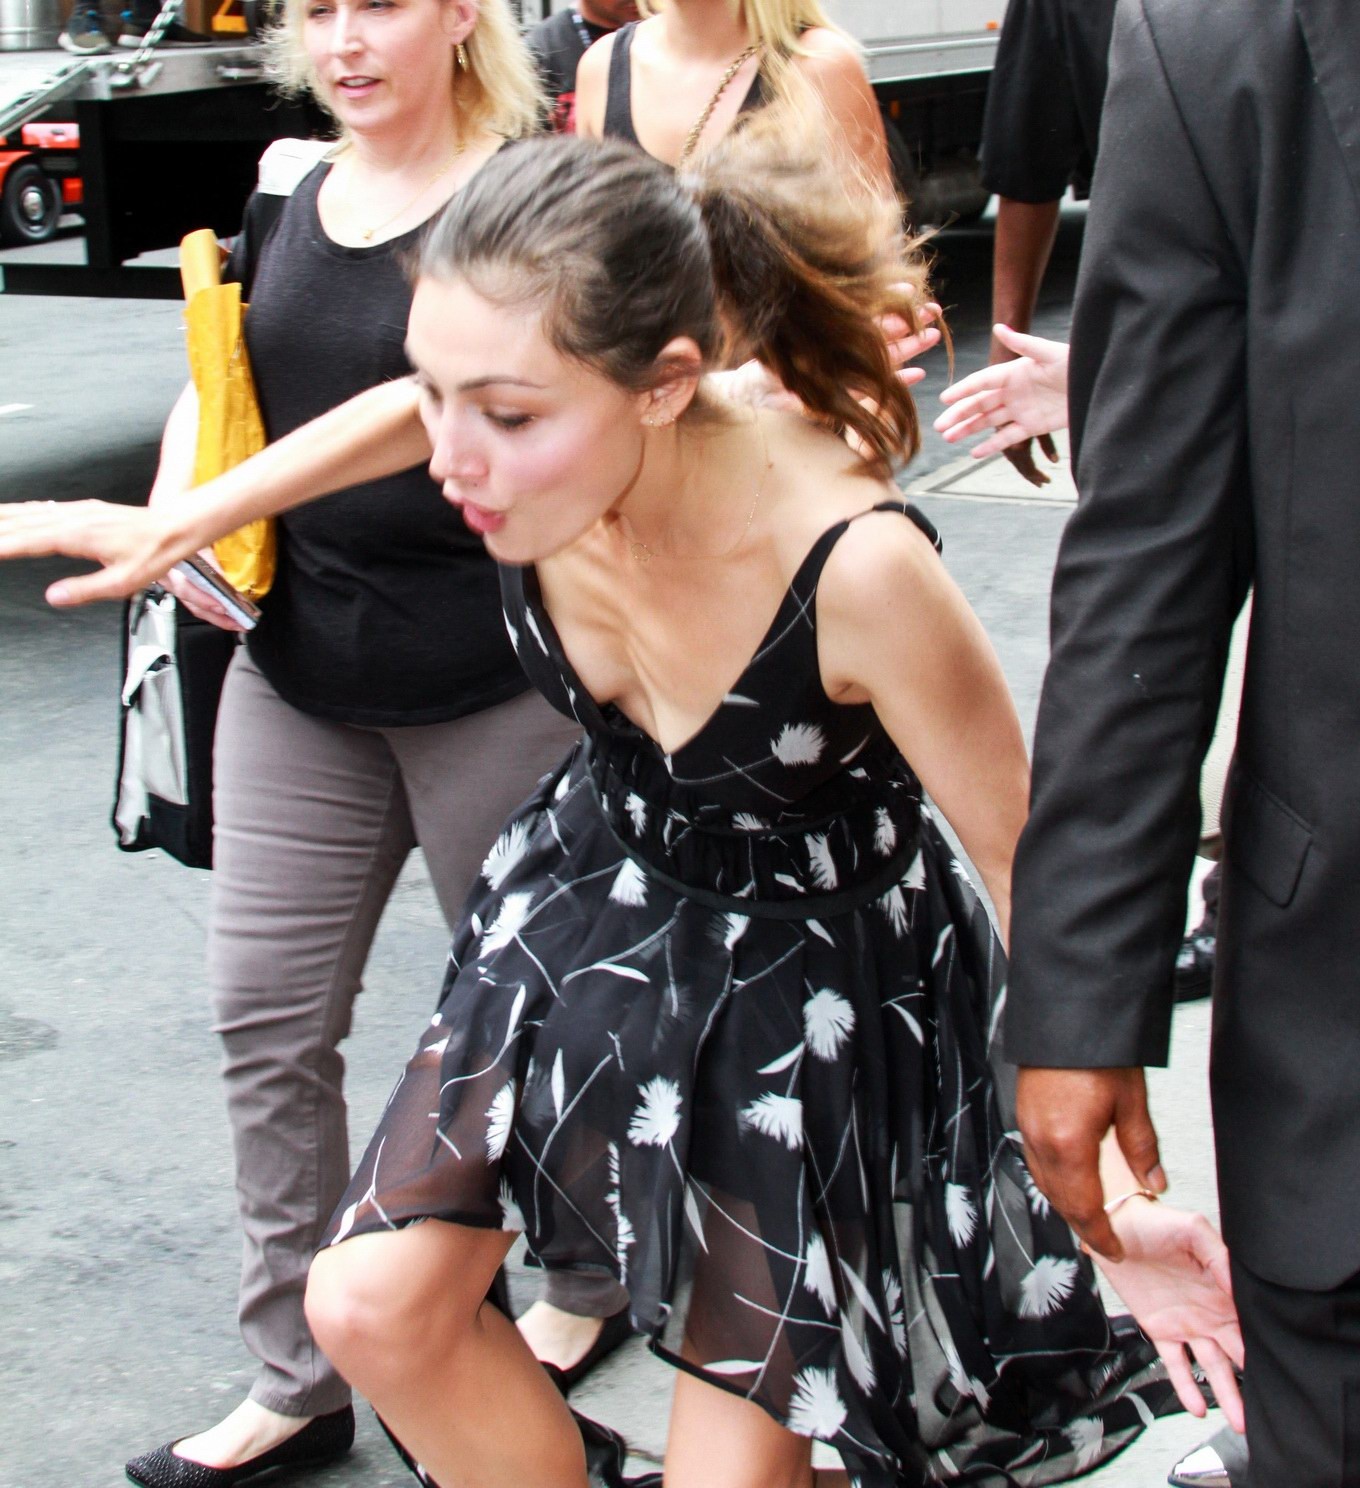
118 1241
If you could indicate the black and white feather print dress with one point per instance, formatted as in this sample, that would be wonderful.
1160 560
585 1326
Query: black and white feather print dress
718 1023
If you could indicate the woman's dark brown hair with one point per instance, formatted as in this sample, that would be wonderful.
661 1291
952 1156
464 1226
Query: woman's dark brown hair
771 249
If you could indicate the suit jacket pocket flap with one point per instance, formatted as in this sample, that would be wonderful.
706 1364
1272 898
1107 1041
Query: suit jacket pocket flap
1266 841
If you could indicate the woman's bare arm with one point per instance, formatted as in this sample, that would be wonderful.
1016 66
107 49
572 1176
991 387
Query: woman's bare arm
895 631
373 435
836 72
592 88
175 472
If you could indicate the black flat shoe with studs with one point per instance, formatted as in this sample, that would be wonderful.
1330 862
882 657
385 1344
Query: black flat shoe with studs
323 1439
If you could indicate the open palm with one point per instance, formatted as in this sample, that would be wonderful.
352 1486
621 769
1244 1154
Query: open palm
1175 1280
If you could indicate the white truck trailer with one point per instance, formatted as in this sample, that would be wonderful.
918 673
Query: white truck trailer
929 61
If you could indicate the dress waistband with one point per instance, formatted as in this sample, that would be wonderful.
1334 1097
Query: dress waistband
823 865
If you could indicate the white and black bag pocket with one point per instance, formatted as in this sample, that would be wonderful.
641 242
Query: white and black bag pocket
173 668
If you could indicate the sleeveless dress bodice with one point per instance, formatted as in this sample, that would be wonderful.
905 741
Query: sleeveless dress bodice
769 807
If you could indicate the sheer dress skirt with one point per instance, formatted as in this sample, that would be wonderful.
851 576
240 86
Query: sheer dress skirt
772 1114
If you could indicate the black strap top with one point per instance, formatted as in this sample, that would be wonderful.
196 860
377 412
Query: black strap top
618 104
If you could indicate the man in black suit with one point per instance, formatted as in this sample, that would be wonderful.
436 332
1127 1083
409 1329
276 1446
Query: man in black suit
1215 352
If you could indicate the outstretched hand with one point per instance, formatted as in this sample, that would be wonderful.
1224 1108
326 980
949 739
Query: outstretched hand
1018 399
133 545
1175 1280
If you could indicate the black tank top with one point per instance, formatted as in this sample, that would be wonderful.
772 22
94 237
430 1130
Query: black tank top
618 103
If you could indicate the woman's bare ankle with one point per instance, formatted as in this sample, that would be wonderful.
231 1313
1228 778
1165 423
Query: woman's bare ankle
557 1337
249 1430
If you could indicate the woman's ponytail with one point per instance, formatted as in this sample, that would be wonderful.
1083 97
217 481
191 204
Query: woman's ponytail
806 258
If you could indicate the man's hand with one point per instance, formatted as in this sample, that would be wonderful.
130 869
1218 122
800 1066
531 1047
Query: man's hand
1176 1281
1021 453
1025 232
1064 1115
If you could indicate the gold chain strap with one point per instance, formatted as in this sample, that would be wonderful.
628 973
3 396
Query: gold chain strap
692 138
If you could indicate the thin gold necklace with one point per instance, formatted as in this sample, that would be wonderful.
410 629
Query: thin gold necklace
692 138
640 552
367 233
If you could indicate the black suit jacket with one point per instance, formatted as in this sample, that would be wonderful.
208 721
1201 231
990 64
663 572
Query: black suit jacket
1215 387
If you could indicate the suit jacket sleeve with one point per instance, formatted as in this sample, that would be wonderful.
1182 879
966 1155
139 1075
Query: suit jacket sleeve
1150 573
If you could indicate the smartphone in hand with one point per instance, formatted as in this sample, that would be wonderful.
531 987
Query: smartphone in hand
205 577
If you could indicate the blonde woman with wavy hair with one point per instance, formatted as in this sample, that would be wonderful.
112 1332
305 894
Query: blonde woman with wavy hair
677 81
378 704
496 91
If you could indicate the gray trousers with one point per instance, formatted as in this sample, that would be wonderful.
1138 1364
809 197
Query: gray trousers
314 820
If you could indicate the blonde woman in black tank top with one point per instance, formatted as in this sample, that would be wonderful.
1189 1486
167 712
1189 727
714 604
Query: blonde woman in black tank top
676 82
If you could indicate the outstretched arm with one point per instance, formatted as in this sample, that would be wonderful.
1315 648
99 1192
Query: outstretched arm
174 479
373 435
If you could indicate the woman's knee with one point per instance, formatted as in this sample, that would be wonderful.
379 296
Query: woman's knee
361 1307
381 1305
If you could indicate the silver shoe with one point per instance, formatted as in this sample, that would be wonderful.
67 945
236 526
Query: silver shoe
1221 1462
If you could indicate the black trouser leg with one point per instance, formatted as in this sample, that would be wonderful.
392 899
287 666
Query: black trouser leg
1302 1384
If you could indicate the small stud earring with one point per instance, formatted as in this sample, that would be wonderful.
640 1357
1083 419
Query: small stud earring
460 51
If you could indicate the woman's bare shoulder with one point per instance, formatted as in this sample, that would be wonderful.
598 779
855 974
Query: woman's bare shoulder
829 52
592 87
829 42
820 483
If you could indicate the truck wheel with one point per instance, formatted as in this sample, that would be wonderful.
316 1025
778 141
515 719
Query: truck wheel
30 206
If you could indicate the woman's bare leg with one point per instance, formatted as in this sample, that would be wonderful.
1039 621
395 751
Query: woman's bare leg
718 1440
402 1316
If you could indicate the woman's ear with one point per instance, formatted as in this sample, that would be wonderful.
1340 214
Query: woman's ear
679 367
459 20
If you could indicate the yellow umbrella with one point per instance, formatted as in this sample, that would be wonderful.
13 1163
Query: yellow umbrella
229 425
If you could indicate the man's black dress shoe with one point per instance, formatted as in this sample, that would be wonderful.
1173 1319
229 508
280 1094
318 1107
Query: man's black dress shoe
617 1330
323 1439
